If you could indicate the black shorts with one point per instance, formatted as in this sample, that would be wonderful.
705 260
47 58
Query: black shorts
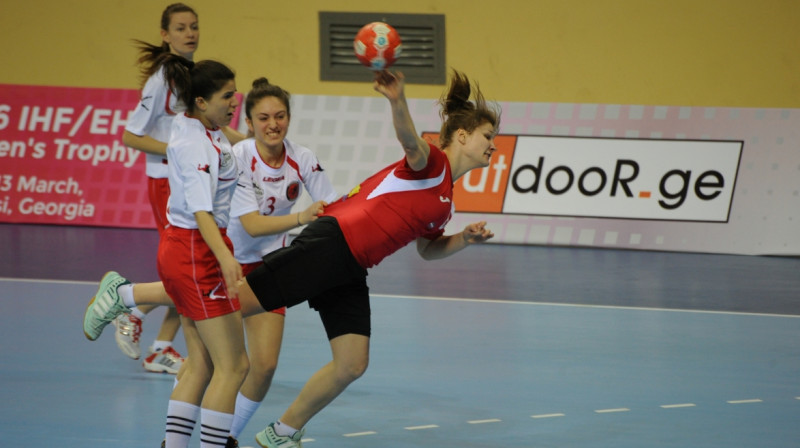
318 267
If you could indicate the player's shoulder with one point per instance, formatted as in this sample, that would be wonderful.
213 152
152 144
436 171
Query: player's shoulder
302 154
244 148
294 148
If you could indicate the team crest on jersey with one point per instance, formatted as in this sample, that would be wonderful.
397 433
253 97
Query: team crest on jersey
259 192
293 191
225 160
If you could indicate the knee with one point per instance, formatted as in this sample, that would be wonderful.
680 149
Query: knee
352 370
199 372
241 367
263 367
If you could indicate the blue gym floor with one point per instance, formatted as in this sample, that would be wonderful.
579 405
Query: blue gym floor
498 346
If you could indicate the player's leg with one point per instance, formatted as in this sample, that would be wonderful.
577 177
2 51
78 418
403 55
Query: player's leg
224 340
142 298
264 337
162 357
183 410
350 359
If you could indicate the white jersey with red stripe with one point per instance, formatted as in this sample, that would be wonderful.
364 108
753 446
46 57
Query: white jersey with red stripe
153 116
272 192
202 173
395 206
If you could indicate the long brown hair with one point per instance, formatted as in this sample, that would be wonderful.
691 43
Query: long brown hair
152 57
458 112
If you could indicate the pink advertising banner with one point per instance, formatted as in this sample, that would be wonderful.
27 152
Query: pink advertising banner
62 160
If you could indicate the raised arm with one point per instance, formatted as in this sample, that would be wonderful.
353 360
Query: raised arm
391 85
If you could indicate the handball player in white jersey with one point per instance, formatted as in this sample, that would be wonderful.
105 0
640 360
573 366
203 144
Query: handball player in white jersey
148 130
273 172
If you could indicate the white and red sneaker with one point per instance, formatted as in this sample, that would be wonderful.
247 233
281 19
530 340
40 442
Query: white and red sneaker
163 361
129 328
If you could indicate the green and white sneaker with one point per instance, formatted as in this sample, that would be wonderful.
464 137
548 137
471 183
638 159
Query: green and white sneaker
104 306
269 439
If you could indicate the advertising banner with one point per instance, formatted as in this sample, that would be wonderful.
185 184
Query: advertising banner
62 160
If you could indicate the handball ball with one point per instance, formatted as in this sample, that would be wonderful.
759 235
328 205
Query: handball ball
377 45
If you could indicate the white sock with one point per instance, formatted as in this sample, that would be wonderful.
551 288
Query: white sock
245 408
181 418
215 427
284 430
160 345
137 312
126 292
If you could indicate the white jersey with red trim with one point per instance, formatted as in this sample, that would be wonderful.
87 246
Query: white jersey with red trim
272 192
153 116
396 206
202 173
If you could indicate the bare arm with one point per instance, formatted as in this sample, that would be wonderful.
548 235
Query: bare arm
233 135
391 85
447 245
231 269
256 224
144 143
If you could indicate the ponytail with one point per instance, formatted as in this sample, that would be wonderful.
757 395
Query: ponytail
151 57
458 112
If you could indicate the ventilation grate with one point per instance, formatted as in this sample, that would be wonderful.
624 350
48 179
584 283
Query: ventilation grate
422 59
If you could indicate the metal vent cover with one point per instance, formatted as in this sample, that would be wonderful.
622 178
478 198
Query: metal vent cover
422 59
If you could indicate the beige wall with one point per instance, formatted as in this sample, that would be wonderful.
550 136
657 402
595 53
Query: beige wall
736 53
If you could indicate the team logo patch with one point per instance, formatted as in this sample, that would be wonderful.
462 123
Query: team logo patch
293 191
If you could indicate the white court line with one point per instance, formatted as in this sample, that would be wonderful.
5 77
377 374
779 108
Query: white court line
457 299
359 434
43 280
480 422
578 305
753 400
415 428
610 411
682 405
547 415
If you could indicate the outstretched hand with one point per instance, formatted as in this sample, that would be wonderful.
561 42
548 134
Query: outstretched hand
312 212
476 233
389 84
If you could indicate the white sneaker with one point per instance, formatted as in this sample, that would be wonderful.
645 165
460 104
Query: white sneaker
129 328
268 438
163 361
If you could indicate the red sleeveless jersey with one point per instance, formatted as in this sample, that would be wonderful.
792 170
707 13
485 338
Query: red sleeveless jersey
394 207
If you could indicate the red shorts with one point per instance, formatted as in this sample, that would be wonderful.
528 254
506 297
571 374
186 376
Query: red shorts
191 274
248 268
158 193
